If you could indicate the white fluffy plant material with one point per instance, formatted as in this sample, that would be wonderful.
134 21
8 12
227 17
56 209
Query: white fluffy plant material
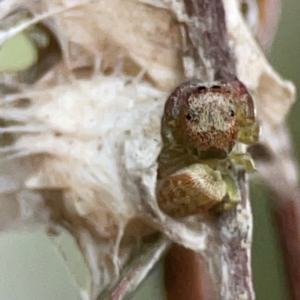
92 141
81 128
87 134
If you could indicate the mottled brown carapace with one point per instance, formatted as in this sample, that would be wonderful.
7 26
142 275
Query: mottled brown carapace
200 126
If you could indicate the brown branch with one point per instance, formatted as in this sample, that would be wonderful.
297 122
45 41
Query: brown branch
229 243
286 216
236 247
187 276
208 38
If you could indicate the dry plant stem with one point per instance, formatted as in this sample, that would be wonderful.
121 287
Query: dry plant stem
187 275
286 216
230 260
208 37
137 271
236 246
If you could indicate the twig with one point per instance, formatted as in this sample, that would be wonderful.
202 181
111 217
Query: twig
136 272
208 36
286 216
229 243
236 237
187 275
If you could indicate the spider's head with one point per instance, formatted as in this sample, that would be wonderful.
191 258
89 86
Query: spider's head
206 120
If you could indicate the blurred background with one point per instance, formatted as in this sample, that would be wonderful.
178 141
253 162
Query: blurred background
31 269
268 270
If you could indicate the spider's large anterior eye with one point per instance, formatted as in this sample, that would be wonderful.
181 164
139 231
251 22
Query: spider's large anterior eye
188 117
201 88
232 113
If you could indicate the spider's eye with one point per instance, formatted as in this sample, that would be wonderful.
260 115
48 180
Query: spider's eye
232 113
201 88
188 117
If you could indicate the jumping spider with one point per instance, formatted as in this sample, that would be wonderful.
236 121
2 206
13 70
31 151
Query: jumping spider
200 127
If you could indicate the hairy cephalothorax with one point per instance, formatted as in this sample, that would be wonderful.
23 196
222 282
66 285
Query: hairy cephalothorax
200 126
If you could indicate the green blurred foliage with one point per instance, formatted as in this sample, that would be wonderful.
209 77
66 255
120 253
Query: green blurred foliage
17 53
